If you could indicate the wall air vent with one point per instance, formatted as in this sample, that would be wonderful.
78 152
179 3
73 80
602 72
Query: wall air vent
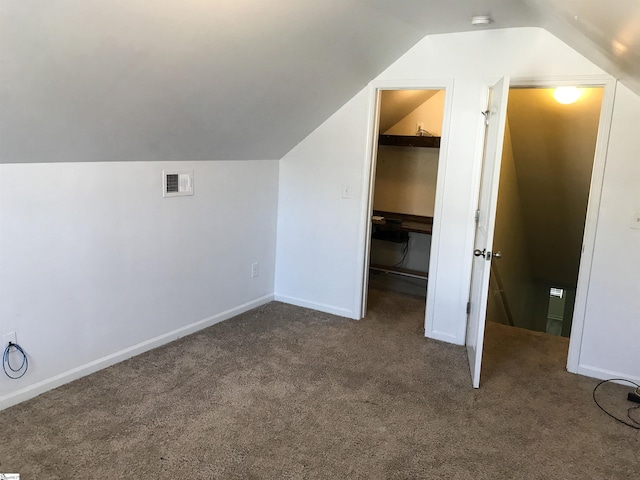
177 183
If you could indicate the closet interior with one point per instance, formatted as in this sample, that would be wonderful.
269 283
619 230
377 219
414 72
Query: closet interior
404 190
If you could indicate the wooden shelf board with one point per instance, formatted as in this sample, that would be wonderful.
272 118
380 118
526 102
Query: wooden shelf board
409 141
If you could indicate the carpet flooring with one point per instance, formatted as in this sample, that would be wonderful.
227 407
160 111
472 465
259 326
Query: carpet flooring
283 392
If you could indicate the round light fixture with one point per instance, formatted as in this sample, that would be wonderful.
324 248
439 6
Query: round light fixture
567 95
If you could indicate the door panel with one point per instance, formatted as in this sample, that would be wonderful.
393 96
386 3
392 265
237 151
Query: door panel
494 137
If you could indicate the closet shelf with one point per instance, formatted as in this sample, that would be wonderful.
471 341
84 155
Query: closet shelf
409 141
393 221
405 272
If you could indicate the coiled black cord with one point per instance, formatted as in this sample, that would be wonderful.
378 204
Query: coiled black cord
6 361
636 423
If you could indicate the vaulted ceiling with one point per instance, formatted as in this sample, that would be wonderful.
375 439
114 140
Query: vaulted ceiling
95 80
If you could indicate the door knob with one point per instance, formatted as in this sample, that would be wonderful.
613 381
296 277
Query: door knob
497 255
479 253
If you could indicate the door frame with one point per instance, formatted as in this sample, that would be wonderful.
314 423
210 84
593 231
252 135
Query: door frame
375 89
595 194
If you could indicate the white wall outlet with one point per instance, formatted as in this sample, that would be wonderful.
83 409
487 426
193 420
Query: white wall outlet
346 191
8 337
635 222
255 269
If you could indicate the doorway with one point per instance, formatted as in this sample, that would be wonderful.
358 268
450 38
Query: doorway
484 253
545 178
403 191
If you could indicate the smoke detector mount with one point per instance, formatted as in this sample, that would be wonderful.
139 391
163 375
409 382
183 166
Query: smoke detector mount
480 20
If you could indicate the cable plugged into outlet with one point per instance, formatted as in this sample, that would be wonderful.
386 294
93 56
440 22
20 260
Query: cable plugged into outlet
14 359
8 338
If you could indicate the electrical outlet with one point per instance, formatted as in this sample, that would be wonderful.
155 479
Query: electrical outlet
255 269
635 222
346 191
8 337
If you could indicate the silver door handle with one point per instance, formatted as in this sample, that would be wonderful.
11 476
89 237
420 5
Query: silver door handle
497 255
480 253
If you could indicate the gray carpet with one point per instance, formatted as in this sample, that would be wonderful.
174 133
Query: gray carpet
283 392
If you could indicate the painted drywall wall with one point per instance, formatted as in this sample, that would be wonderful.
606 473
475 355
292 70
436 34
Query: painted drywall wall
406 180
319 230
612 329
320 245
96 266
513 270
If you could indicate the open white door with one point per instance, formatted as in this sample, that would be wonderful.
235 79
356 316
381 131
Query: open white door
496 116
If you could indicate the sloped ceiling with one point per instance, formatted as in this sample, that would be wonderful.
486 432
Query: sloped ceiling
397 104
95 80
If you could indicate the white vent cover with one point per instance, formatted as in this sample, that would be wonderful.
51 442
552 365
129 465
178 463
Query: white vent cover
177 183
556 292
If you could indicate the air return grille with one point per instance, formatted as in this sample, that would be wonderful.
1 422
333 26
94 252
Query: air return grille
177 183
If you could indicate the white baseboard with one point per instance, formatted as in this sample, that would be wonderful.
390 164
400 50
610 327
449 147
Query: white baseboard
603 374
443 337
321 307
108 360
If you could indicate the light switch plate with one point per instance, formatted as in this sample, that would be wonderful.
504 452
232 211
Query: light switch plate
635 222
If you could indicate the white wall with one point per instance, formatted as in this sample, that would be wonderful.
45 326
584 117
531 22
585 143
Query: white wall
612 323
406 180
320 244
318 230
96 266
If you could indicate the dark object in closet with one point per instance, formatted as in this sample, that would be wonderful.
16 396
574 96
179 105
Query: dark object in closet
395 235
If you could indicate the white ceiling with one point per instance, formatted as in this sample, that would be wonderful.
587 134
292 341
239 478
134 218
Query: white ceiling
94 80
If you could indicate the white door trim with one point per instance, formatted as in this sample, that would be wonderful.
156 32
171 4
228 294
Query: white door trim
595 194
368 183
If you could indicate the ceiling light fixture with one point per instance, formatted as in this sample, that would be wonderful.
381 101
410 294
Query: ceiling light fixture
478 20
618 48
567 95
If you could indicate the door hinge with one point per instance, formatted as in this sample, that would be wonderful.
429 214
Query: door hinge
486 114
468 308
477 216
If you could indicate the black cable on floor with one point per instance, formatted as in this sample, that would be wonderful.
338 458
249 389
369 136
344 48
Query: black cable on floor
637 423
6 361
